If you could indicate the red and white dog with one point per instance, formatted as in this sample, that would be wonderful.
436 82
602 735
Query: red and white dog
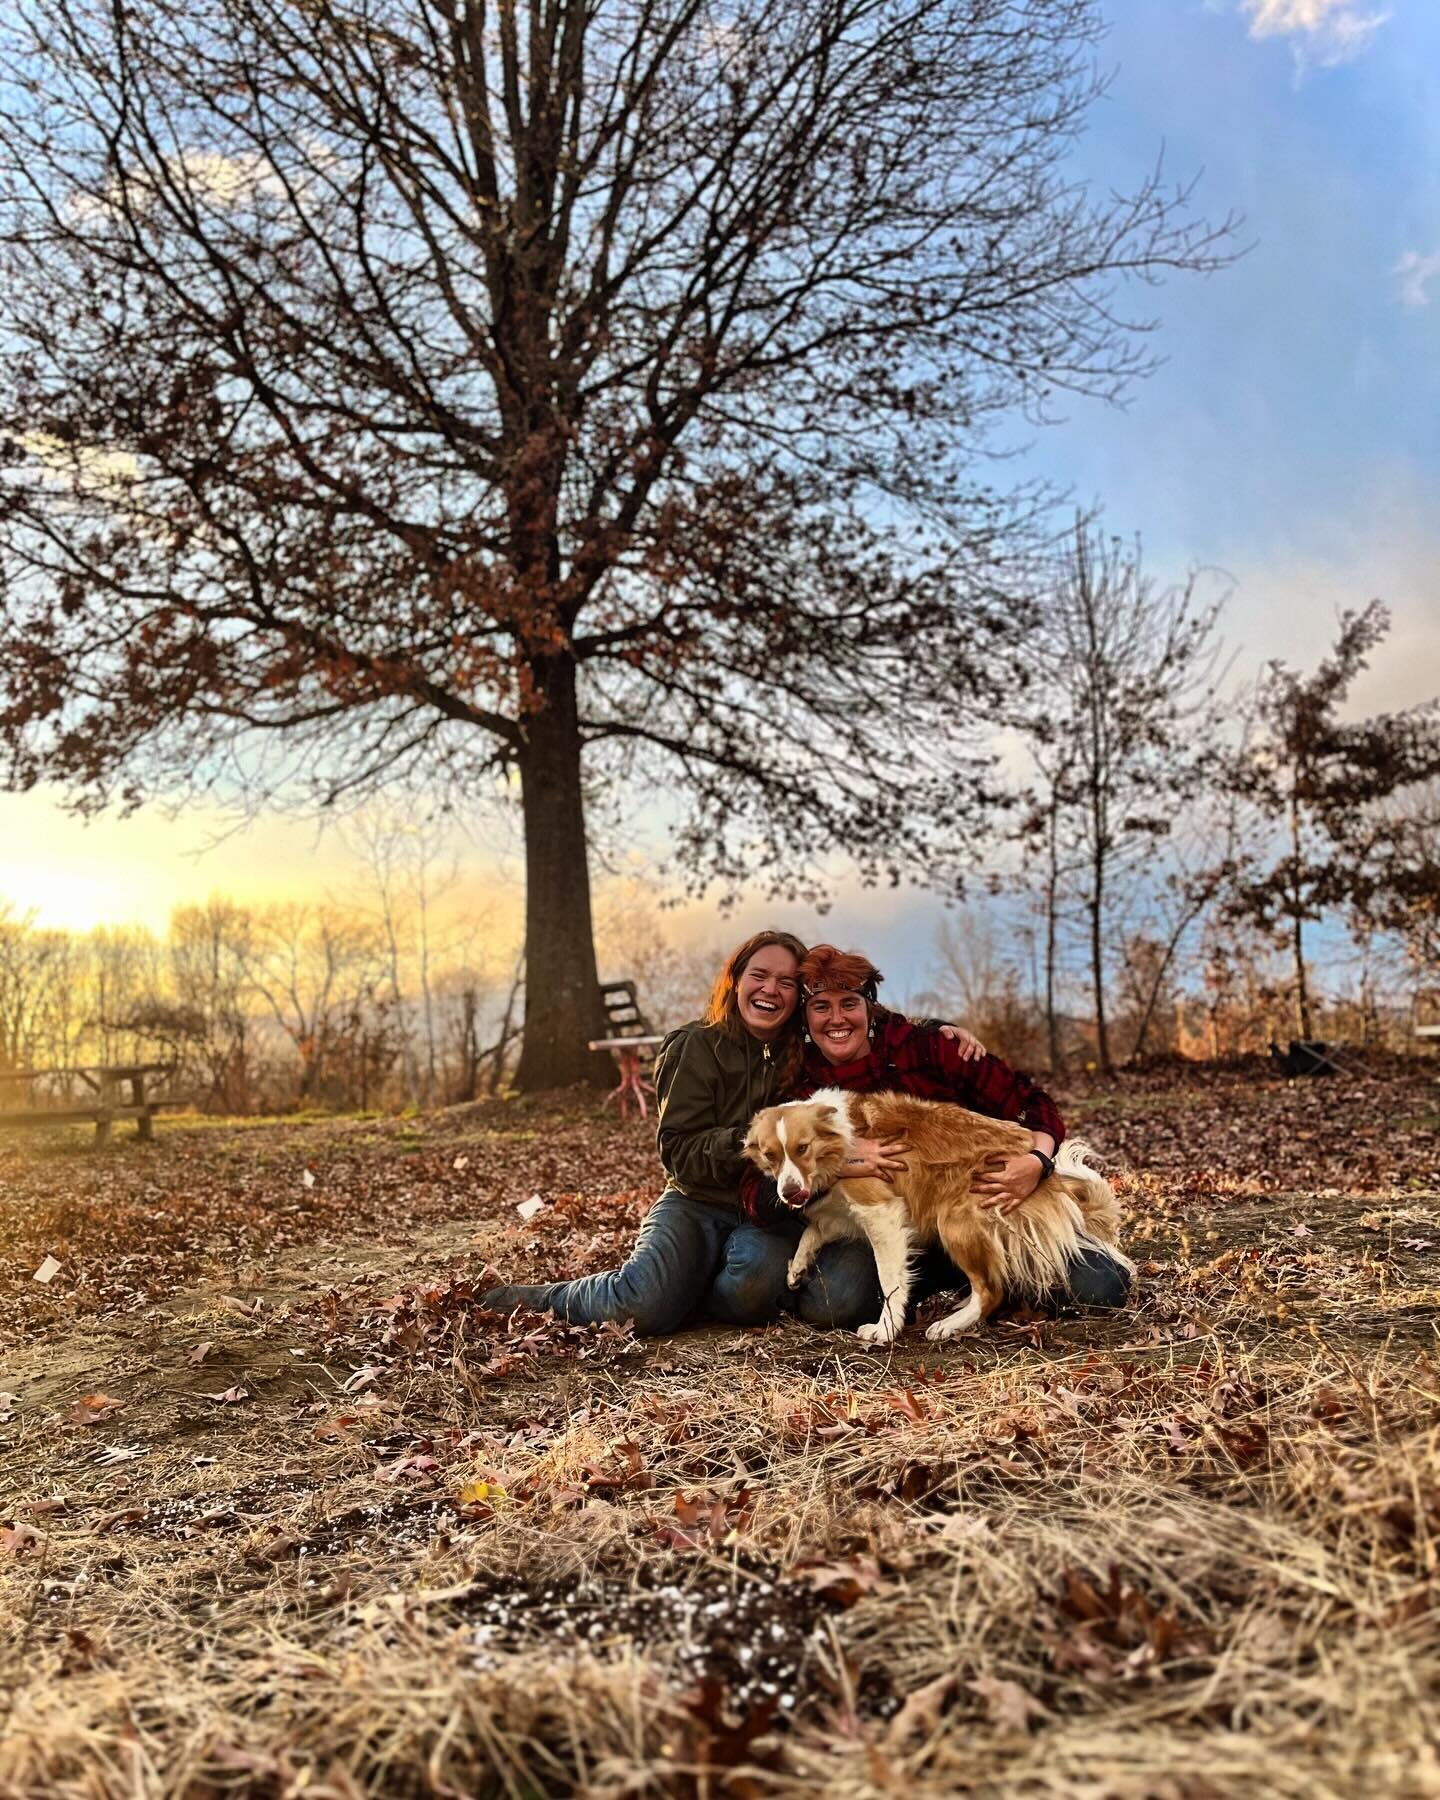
805 1143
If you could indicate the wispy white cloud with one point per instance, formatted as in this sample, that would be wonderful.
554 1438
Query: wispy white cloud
1326 31
1416 271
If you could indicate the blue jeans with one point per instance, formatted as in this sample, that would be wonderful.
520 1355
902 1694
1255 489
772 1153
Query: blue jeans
693 1261
690 1261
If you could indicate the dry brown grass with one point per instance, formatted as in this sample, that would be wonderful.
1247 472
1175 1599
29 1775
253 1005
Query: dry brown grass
1188 1551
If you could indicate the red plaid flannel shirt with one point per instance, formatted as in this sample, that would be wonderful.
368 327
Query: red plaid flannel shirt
913 1059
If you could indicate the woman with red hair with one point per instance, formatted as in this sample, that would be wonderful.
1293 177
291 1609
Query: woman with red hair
852 1042
698 1255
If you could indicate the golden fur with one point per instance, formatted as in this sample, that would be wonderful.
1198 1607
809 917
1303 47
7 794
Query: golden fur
1024 1254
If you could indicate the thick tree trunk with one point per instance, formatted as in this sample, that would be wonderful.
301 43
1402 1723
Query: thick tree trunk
562 987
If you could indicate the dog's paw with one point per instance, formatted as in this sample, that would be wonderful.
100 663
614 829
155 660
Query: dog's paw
956 1325
881 1332
795 1274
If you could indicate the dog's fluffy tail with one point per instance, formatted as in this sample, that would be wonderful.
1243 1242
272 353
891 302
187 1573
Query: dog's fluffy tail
1074 1211
1095 1197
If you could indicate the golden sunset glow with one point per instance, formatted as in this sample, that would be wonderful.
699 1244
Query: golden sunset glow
76 874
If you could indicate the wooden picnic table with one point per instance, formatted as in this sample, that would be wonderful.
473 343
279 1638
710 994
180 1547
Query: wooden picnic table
105 1081
627 1051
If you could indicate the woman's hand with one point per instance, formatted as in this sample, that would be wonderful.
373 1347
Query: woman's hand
1006 1182
971 1049
881 1157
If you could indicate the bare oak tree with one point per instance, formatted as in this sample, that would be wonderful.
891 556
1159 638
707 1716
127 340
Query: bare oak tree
538 400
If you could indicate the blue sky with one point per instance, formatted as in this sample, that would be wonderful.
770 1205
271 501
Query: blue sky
1292 437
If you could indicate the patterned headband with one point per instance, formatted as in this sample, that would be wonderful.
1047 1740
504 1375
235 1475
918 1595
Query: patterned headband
869 989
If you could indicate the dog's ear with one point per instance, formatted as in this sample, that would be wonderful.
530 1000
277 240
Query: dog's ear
831 1114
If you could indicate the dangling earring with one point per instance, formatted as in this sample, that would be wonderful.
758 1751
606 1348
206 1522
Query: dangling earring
805 1034
871 1032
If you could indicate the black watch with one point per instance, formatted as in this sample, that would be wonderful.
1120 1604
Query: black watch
1047 1163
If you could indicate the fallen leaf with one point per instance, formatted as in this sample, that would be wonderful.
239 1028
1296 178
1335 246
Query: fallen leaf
921 1711
480 1493
905 1402
201 1351
90 1409
232 1396
81 1652
843 1582
124 1515
1009 1705
329 1429
964 1528
417 1466
307 1177
20 1539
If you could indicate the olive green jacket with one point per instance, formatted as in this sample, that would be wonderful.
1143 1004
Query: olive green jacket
709 1086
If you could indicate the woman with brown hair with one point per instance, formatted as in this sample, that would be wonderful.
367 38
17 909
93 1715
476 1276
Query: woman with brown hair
697 1254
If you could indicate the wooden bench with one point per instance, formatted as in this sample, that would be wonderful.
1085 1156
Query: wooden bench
105 1081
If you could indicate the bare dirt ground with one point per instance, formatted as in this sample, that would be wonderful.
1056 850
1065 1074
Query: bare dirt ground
283 1513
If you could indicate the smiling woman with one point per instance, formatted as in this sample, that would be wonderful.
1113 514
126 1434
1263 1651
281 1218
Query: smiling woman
765 996
857 1045
697 1255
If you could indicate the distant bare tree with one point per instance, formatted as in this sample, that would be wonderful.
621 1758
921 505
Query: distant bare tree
634 942
1128 668
125 979
978 980
411 869
211 948
30 964
1202 854
317 970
